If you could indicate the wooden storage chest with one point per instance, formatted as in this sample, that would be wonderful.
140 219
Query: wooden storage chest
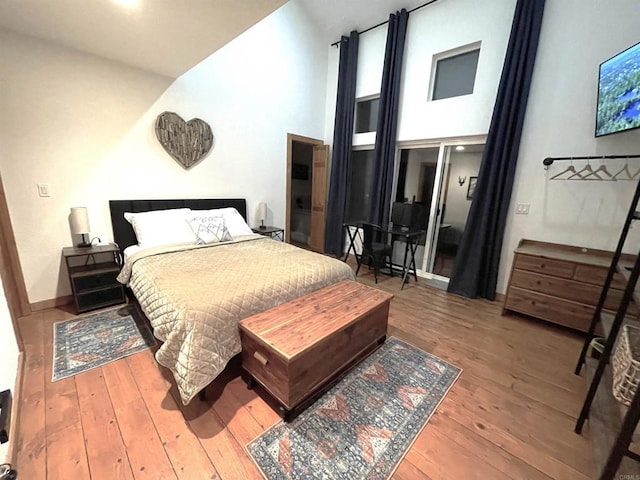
561 283
297 348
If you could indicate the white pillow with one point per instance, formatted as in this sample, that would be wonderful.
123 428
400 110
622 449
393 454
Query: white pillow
161 227
130 250
209 229
233 220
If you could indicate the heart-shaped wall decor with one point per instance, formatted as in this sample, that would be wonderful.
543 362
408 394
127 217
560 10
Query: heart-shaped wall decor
187 142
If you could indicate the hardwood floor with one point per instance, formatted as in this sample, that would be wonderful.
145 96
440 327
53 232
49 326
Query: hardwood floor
510 415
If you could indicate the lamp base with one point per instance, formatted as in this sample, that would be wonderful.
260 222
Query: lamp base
85 243
262 227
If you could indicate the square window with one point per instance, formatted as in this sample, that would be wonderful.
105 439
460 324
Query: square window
366 115
455 75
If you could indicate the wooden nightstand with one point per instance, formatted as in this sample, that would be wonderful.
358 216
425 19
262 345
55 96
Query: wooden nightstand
273 232
92 275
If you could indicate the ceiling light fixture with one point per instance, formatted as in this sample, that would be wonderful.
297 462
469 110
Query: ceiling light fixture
128 3
460 148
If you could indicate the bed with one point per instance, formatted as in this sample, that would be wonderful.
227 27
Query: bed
195 295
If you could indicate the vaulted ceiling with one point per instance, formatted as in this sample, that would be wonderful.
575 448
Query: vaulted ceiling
168 37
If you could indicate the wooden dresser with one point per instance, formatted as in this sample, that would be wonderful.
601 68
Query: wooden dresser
561 283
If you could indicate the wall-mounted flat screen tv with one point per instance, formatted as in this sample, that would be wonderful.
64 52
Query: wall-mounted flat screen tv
619 93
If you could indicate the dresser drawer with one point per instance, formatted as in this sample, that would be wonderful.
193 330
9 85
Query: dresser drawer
556 268
612 302
597 276
553 309
556 287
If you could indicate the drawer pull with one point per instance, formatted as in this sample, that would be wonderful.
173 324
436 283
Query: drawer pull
261 358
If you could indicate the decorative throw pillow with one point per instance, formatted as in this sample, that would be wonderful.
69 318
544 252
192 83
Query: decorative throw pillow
209 230
232 218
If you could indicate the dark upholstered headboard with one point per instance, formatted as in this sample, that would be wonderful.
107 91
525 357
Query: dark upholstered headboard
123 233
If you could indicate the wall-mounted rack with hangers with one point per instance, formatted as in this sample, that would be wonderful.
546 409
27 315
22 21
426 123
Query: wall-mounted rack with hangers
587 172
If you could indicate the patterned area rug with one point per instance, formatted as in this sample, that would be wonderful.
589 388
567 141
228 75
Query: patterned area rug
93 340
362 427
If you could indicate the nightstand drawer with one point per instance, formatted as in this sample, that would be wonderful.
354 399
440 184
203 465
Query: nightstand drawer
100 298
82 283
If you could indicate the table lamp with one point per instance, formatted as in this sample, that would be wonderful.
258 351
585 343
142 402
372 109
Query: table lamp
262 214
80 225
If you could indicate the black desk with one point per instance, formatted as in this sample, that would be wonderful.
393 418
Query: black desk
353 234
410 236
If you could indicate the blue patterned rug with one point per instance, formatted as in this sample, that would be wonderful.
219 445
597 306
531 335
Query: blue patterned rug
93 340
362 427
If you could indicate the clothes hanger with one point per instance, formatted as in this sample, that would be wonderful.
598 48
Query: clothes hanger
570 169
586 172
626 171
601 169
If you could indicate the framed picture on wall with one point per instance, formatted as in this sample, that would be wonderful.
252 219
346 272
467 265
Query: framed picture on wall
472 187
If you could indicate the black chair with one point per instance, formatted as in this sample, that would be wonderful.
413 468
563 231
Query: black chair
375 248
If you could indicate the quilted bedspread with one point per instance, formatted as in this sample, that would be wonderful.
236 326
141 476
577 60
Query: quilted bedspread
194 297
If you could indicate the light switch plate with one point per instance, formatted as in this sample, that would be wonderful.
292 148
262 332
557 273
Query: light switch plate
43 190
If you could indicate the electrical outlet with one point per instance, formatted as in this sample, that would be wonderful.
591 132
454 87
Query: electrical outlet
522 208
43 190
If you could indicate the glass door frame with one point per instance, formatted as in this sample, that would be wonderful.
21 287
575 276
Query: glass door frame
435 213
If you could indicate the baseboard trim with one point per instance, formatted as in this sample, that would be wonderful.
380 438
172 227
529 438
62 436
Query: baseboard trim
500 297
52 303
14 423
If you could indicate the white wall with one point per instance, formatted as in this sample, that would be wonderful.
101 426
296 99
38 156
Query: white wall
465 165
432 30
576 37
8 357
416 158
442 27
85 126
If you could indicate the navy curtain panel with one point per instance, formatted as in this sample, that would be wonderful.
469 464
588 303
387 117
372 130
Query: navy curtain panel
475 269
386 129
342 144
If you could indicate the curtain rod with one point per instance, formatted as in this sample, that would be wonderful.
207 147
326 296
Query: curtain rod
549 160
335 44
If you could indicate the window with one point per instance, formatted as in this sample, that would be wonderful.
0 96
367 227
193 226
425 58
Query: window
366 115
360 181
455 75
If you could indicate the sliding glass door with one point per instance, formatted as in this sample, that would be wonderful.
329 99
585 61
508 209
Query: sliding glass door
440 179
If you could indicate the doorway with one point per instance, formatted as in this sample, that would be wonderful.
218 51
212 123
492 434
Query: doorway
441 179
307 160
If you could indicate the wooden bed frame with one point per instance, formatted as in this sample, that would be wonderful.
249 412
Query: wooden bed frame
123 233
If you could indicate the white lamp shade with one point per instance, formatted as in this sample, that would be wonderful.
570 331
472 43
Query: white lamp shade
262 211
79 220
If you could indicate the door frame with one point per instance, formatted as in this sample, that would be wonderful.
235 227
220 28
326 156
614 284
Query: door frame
426 262
292 137
10 269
